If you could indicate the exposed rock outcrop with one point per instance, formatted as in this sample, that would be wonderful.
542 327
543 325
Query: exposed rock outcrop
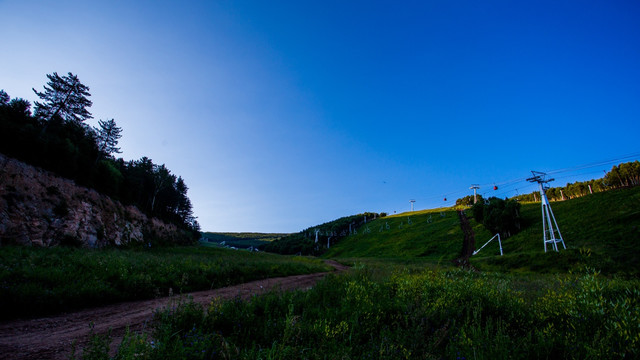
40 208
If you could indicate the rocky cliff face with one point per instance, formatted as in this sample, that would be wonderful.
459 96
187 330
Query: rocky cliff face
39 208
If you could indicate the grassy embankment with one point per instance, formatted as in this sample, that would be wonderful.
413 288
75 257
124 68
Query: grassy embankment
37 281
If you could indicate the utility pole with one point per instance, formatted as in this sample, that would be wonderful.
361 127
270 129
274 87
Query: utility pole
548 219
475 187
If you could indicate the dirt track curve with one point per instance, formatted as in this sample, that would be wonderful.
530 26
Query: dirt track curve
52 337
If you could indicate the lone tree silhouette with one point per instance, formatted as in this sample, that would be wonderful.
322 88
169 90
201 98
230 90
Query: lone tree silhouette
107 136
65 97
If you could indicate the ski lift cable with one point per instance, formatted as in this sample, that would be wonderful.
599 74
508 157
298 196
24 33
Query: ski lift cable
522 186
574 168
444 194
500 184
511 185
505 191
572 175
594 164
562 170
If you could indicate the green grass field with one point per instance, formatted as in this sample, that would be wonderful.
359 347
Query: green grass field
391 312
39 281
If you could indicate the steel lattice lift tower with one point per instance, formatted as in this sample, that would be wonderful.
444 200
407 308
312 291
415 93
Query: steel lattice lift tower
548 220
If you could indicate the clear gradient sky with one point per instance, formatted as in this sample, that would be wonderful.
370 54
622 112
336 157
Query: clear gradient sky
281 115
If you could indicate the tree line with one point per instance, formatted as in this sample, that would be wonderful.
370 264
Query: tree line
622 175
55 137
469 200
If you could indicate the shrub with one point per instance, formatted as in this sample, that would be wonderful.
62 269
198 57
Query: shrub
498 216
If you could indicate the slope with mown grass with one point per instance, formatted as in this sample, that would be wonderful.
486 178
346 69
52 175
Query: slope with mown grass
430 234
601 231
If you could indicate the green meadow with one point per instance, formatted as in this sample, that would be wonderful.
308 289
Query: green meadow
391 312
39 281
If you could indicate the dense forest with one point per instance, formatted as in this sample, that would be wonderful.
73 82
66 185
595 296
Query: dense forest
55 137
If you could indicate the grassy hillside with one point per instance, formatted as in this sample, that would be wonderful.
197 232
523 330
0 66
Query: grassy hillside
600 230
241 240
431 234
327 234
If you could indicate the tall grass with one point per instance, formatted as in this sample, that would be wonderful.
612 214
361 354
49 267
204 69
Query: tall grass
391 313
38 281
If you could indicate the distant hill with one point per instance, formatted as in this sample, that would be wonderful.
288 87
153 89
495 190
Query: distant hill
240 240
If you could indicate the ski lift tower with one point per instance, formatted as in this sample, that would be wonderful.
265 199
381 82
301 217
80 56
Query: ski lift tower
412 201
475 187
548 219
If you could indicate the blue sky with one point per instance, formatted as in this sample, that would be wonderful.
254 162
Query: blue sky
281 115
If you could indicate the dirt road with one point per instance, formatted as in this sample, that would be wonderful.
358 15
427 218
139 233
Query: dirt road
52 337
